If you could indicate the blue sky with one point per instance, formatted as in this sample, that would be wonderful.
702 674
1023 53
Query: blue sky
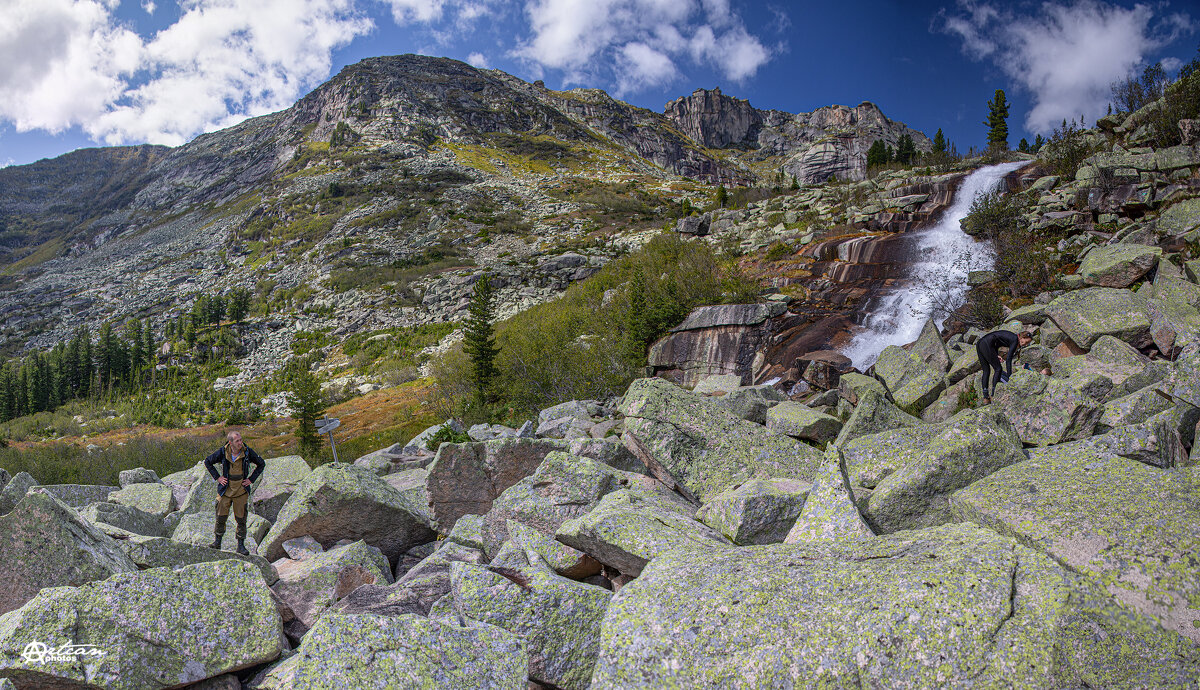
104 72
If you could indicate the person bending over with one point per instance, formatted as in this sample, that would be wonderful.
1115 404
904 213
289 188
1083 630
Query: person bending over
233 490
988 349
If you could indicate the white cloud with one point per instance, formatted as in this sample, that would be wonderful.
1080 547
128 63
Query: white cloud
478 60
222 61
1067 56
637 44
405 11
149 6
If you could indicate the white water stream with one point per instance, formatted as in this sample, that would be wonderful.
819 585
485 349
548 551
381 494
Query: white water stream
940 258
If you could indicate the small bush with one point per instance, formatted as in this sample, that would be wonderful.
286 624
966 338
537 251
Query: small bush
1066 150
778 252
446 434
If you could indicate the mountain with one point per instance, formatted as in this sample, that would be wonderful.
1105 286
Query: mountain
354 203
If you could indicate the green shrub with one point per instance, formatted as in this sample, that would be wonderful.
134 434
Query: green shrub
1066 150
65 463
446 434
778 252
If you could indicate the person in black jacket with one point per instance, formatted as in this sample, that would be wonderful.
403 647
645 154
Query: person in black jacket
233 490
988 350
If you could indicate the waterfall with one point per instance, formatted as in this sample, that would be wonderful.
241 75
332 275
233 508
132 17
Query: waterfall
939 258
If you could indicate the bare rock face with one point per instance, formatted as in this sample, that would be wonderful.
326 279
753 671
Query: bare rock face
714 119
719 339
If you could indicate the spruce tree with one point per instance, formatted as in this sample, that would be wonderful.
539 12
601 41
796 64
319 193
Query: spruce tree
997 122
479 341
722 197
307 406
106 351
939 142
877 154
636 328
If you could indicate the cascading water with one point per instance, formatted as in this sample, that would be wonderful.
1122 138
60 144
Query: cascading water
940 258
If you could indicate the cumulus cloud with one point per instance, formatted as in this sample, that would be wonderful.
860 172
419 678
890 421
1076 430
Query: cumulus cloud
69 63
638 44
1066 56
478 60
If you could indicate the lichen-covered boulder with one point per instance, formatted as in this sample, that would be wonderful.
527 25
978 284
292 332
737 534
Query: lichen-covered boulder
310 586
912 383
952 606
153 498
1184 382
830 511
15 490
1156 441
751 402
718 383
561 558
181 482
1046 410
381 652
1131 526
1173 325
79 495
704 448
1118 265
851 386
160 552
930 347
801 421
157 628
557 618
197 529
912 471
627 529
1136 407
138 475
761 511
1085 315
873 414
465 478
965 366
339 501
278 481
411 484
468 531
127 518
45 543
414 592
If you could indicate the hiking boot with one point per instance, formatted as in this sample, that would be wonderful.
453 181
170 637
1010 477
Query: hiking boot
241 547
216 542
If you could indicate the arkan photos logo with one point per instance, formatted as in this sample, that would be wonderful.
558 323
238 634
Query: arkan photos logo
39 653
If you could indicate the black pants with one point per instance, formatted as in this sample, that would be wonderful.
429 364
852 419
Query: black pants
989 360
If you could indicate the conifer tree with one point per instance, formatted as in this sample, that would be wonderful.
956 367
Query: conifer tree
722 197
877 155
307 407
997 122
86 366
636 329
479 341
939 142
105 357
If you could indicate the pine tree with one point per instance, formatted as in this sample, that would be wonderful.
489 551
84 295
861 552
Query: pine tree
148 344
479 341
906 150
939 142
877 155
106 351
997 122
1038 142
722 197
636 329
86 366
307 406
795 183
1023 146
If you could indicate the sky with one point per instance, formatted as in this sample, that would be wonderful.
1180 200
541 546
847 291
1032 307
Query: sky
80 73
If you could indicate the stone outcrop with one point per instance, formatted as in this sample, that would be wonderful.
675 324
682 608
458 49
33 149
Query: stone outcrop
719 339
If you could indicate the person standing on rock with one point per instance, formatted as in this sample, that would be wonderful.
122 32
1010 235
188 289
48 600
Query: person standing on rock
234 486
988 350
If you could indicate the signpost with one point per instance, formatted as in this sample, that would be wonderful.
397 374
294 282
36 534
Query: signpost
326 426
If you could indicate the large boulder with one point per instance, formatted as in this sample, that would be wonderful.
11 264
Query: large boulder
1130 526
627 529
465 478
372 652
154 498
124 517
703 448
802 422
279 480
45 543
157 628
181 482
912 471
873 414
751 403
416 591
952 606
1173 325
310 586
15 490
1085 315
557 618
761 511
1184 382
913 383
1046 410
851 386
339 501
930 348
1118 265
79 495
1136 407
197 529
829 512
138 475
160 552
1157 441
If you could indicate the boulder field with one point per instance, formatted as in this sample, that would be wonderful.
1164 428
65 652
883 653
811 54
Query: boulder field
885 532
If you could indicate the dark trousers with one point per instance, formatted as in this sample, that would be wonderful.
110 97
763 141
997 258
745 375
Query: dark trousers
989 360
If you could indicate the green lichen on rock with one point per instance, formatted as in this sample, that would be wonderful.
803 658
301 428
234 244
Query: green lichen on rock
913 383
126 518
627 529
158 628
310 586
872 415
159 552
913 470
1118 265
705 448
153 498
561 558
339 501
950 606
852 385
558 618
279 479
1048 410
1085 315
802 422
468 531
761 511
381 652
197 529
1136 407
44 543
465 478
829 512
1131 526
1184 382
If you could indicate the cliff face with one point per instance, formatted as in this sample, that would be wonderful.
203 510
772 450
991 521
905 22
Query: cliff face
826 143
